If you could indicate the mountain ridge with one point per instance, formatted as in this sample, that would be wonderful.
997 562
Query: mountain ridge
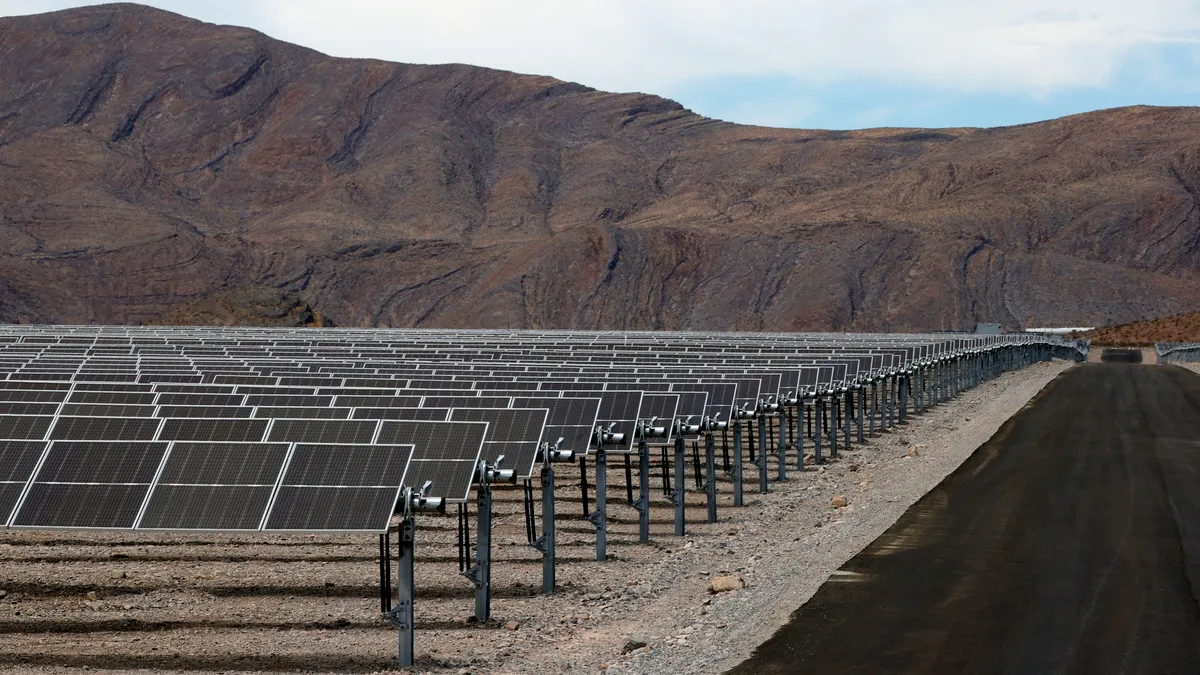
148 160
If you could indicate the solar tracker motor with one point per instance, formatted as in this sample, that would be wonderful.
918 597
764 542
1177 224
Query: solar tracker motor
555 453
710 424
420 502
744 413
649 430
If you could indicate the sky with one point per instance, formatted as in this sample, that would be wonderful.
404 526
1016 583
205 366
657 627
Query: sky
833 64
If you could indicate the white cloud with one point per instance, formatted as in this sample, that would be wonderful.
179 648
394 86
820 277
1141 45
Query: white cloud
1032 47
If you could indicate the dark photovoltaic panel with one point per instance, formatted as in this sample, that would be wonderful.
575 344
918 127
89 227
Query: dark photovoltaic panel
512 433
17 462
106 410
323 431
661 409
120 397
212 411
9 408
692 406
288 401
444 453
339 487
309 413
466 402
571 419
223 430
620 409
378 401
200 399
105 429
429 414
214 486
90 484
32 396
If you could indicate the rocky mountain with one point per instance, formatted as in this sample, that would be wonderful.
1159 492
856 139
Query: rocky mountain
148 161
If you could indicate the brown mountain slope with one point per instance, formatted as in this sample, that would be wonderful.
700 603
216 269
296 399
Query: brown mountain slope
1178 328
148 160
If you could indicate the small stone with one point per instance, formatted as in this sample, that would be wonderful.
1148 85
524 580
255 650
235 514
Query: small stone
464 671
3 594
912 452
839 502
732 582
632 644
91 595
512 625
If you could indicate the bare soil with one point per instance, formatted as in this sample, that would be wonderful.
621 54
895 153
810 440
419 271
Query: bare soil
142 602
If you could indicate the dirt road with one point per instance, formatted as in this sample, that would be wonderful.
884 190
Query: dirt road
1069 543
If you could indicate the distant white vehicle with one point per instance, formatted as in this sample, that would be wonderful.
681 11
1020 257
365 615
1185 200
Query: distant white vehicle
1059 331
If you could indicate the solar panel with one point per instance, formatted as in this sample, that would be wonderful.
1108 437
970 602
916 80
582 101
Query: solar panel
571 419
18 459
661 409
32 396
9 408
514 434
339 487
105 429
90 485
211 411
310 413
429 414
222 430
444 453
323 431
200 399
120 397
214 486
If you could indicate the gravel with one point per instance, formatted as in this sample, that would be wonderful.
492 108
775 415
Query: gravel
152 603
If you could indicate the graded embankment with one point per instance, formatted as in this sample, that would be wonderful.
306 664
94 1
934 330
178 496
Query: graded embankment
1068 543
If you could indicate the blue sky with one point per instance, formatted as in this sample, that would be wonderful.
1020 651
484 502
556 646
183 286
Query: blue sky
837 64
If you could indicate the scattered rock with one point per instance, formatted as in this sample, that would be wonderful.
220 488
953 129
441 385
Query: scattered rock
839 502
912 452
3 594
632 644
91 595
732 582
512 625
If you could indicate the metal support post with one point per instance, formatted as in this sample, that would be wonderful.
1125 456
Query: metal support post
799 435
834 413
762 454
818 418
737 461
846 422
643 501
874 406
401 615
783 435
545 543
710 467
861 411
483 551
677 495
903 398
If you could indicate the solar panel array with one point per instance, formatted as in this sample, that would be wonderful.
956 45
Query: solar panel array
290 429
